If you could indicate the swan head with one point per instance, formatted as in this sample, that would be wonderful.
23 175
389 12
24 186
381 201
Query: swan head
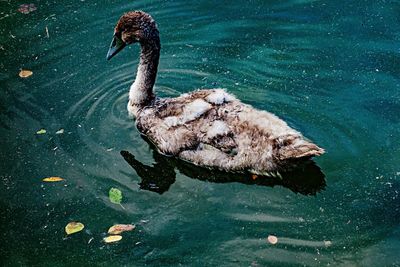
133 27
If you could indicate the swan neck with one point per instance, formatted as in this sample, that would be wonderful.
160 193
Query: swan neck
141 91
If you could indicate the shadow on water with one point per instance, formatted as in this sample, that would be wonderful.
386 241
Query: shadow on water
307 179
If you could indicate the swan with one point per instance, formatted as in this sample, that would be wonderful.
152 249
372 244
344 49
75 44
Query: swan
209 128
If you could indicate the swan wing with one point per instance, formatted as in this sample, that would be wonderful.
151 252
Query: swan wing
212 128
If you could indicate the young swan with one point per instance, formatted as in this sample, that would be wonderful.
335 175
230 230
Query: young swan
210 128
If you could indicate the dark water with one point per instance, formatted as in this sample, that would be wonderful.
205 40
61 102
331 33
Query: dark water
329 68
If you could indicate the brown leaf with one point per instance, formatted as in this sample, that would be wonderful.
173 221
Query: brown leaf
272 239
25 73
119 228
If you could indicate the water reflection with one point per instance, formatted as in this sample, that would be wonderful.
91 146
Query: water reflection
307 179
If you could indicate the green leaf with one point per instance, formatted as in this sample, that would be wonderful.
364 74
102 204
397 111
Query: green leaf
115 195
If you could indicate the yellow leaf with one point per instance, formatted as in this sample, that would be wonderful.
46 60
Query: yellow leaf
112 238
74 227
25 73
272 239
119 228
41 131
52 179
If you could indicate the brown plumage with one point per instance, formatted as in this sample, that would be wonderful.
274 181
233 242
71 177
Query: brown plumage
210 128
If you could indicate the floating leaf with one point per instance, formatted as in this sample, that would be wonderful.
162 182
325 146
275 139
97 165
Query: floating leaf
26 8
272 239
41 131
25 73
115 195
61 131
74 227
119 228
53 179
112 238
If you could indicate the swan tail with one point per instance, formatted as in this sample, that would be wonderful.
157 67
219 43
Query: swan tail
300 149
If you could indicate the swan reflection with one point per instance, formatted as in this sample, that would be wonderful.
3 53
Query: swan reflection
307 179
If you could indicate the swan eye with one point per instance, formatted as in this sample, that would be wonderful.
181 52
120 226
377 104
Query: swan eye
131 36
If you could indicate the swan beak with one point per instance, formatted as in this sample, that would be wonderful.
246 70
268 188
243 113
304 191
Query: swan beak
116 45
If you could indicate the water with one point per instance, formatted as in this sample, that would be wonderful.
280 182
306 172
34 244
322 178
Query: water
330 69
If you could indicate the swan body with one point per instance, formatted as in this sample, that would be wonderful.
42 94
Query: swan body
210 128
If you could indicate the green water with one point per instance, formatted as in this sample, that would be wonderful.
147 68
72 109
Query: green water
329 68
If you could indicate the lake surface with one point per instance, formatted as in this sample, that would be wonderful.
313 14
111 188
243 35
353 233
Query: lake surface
330 69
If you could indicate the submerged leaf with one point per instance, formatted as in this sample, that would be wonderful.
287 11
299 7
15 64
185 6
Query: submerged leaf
25 73
119 228
115 195
272 239
52 179
74 227
112 238
41 131
26 8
